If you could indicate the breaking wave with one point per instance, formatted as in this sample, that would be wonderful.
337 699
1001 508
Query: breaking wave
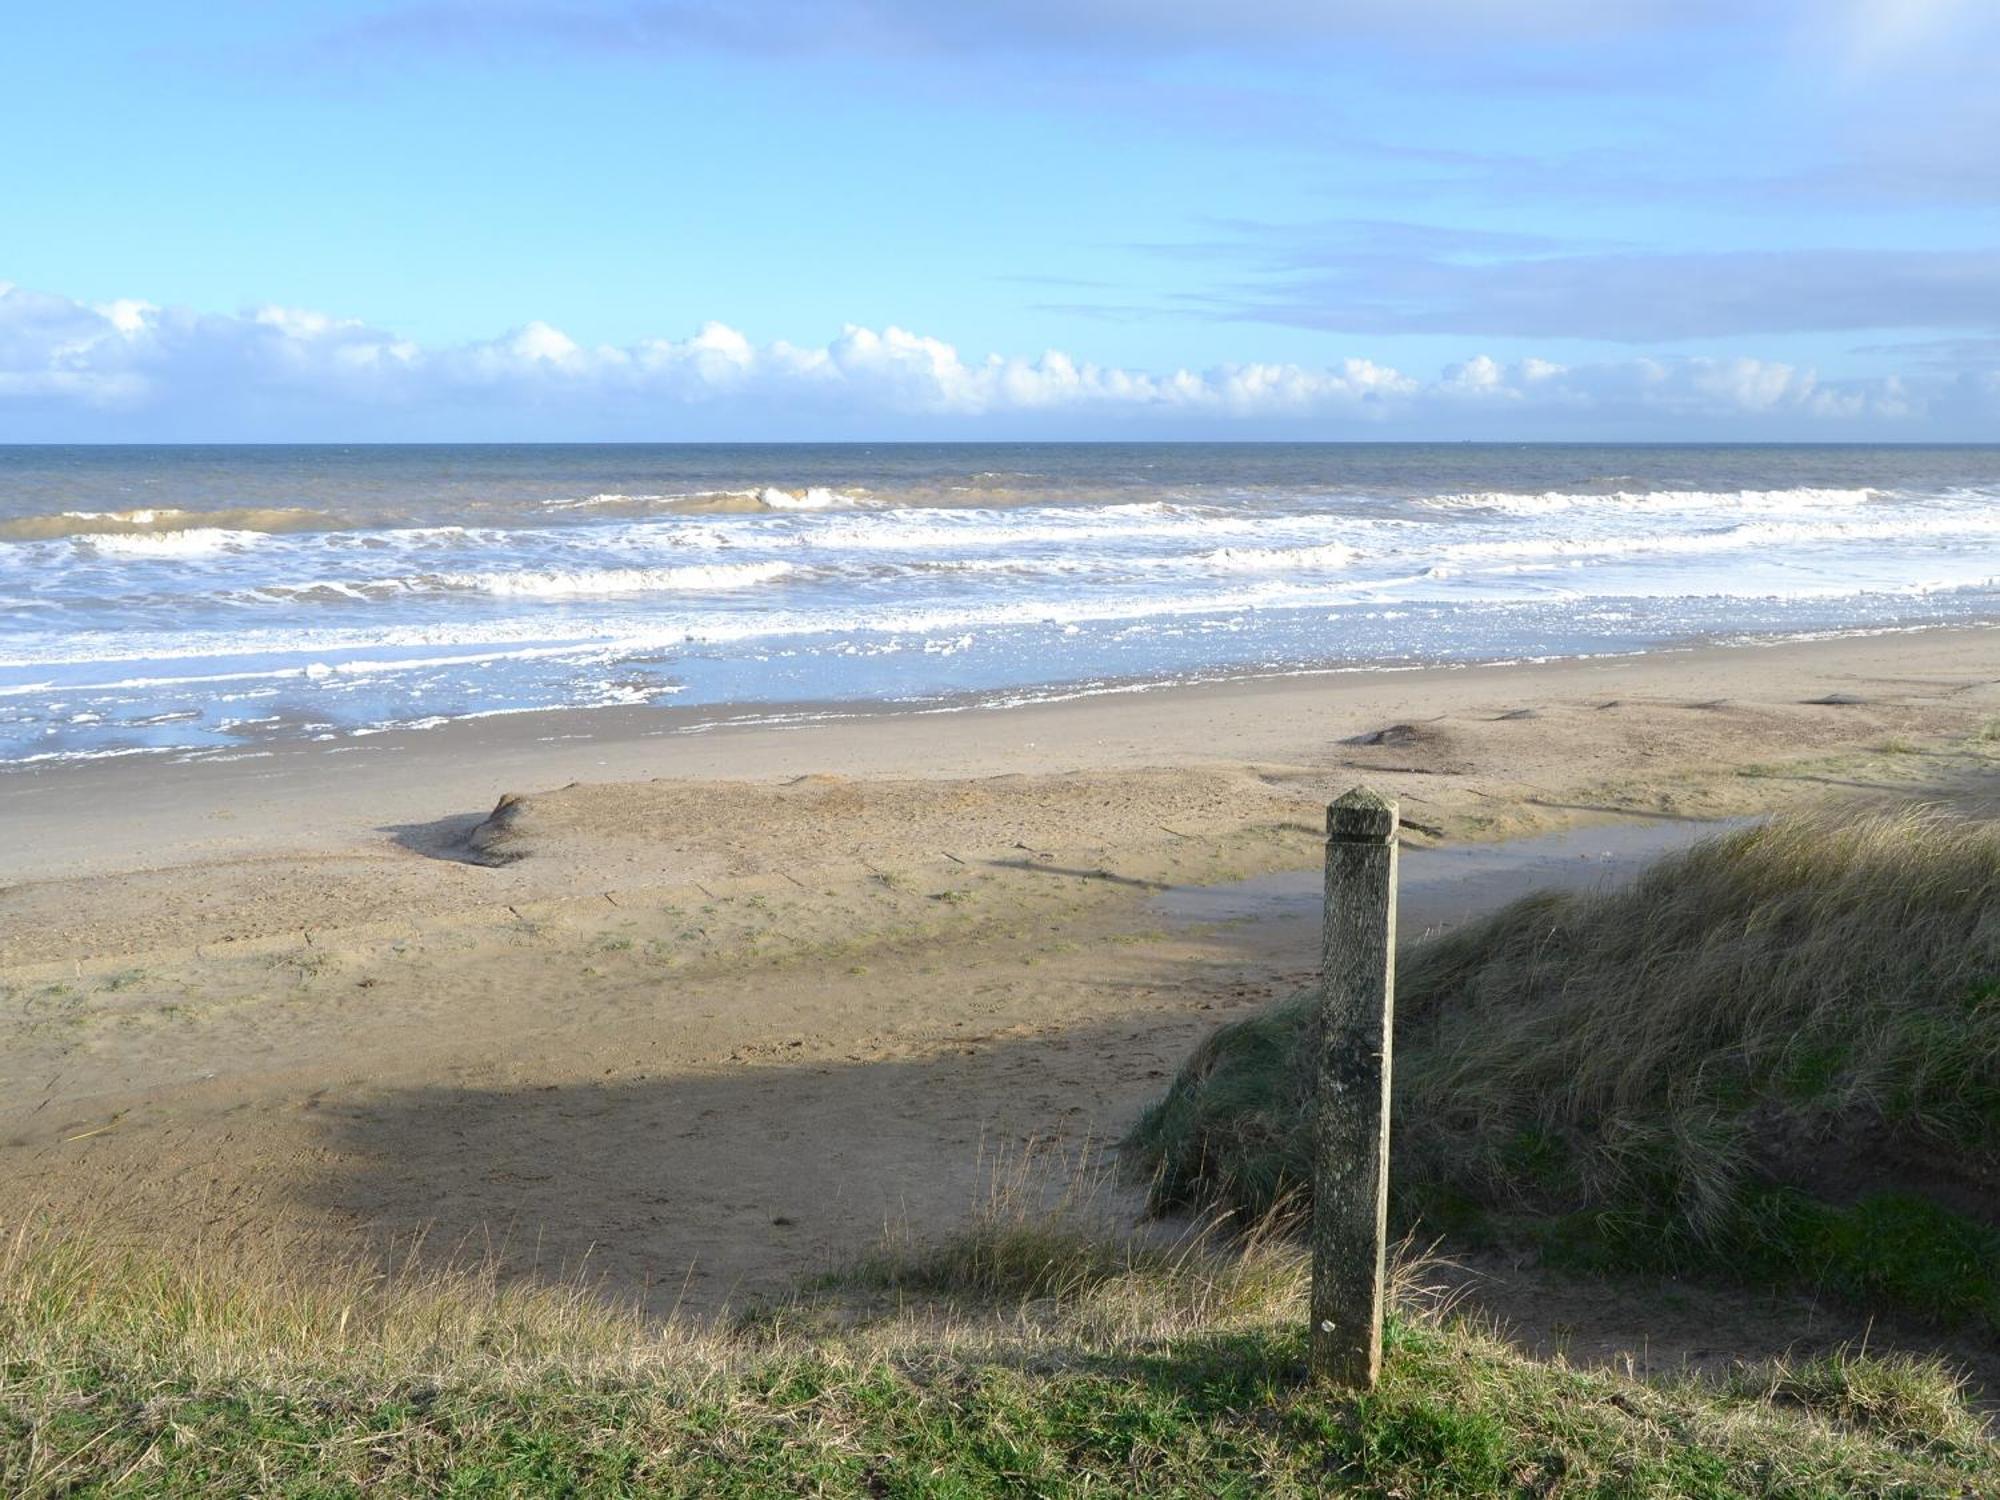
570 583
1555 502
197 541
527 583
163 521
715 502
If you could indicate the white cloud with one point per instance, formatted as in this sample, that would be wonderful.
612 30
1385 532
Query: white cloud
132 370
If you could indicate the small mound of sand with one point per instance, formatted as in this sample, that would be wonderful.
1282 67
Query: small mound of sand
496 841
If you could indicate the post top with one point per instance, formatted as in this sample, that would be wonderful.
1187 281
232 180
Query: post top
1361 816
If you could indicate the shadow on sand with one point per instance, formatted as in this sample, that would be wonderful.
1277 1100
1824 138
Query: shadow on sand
441 838
698 1190
702 1194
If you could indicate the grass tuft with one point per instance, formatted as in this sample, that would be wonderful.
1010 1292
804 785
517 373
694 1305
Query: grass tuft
274 1307
1030 1250
1914 1403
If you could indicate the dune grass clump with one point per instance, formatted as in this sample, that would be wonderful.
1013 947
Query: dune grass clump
277 1308
1023 1252
1777 1052
1114 1369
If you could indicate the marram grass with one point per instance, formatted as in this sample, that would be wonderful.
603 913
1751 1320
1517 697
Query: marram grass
1777 1052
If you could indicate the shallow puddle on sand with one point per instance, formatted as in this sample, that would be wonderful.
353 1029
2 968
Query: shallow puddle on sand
1437 887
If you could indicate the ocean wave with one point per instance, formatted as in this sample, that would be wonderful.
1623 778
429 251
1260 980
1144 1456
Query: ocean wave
1273 559
1907 528
595 502
522 583
1318 555
610 637
198 541
992 490
161 521
565 583
320 591
329 657
986 491
716 502
1146 520
677 502
1552 502
813 497
1075 563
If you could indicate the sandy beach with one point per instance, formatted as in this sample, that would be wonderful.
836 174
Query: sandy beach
974 750
712 1002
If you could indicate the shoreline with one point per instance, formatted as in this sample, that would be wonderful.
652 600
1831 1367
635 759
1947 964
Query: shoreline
72 818
703 716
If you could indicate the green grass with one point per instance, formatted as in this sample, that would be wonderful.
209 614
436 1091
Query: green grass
1776 1055
1029 1356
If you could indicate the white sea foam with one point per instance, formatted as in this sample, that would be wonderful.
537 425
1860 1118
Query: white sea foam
197 541
527 583
570 583
1554 502
145 519
1747 535
972 529
771 497
591 502
1276 559
813 497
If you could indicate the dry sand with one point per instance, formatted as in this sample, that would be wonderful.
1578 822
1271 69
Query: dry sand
713 1001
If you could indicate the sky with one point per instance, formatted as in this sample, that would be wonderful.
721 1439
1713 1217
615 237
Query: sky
462 220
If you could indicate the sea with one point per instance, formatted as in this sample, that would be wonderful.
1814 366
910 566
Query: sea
212 601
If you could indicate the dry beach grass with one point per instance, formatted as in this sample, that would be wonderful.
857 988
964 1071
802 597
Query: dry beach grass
1026 1353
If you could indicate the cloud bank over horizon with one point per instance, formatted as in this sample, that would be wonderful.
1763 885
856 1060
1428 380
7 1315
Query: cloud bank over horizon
1743 220
128 370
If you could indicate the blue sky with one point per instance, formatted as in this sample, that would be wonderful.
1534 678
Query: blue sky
1065 218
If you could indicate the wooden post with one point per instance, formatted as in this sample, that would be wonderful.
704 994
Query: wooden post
1350 1219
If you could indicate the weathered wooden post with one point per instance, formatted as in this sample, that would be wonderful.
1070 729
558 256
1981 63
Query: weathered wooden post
1350 1218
